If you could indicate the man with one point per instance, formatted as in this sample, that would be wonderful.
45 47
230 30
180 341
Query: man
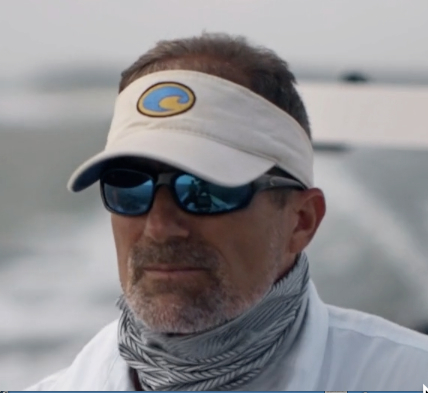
218 297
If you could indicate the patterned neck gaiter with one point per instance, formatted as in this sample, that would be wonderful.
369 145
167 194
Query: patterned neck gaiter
226 357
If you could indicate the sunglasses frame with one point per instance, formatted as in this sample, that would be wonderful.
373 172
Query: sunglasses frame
263 183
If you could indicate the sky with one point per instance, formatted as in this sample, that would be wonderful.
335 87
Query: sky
336 34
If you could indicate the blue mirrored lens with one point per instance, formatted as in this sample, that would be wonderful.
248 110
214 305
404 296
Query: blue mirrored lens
128 192
199 196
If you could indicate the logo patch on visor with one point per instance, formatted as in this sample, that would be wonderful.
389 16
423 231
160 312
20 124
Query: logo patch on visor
166 99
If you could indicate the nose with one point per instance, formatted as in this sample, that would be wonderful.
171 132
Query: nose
165 220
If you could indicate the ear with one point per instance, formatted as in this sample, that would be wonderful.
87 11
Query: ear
308 208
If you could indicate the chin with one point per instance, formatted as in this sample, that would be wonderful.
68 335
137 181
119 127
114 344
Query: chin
175 313
186 309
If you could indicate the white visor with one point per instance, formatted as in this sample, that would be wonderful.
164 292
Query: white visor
205 125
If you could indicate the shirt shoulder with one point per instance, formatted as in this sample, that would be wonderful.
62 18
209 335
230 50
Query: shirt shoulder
367 352
374 327
47 383
90 367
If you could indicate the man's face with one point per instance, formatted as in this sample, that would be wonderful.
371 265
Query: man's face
182 273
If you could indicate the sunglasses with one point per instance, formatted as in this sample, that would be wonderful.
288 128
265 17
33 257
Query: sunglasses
130 192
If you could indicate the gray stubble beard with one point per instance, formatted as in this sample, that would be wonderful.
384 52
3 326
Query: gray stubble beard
216 304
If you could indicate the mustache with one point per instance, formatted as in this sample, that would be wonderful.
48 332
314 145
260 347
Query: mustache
175 252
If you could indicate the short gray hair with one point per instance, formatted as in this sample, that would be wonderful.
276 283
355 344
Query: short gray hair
229 57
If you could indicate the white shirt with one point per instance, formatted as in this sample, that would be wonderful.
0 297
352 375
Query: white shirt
336 350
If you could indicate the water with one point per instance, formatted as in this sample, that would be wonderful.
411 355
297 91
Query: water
57 260
55 298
